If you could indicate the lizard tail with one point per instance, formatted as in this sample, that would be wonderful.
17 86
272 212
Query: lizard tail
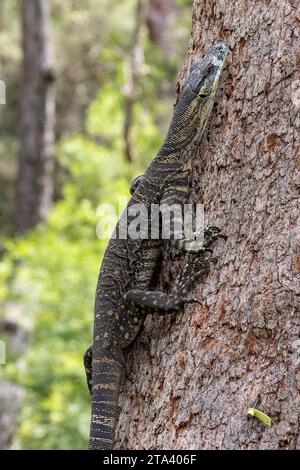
107 375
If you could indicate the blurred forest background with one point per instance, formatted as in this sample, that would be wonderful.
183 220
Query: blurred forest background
114 72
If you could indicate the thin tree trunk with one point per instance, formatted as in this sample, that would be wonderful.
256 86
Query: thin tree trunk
133 73
192 378
2 15
11 399
159 19
37 118
2 83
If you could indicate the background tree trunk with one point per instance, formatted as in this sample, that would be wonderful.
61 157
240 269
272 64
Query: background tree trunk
192 377
11 399
37 118
133 73
159 19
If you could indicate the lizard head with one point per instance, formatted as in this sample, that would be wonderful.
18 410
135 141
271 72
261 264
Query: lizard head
201 85
205 73
195 100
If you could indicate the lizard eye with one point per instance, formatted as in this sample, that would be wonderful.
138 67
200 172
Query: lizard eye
203 94
204 90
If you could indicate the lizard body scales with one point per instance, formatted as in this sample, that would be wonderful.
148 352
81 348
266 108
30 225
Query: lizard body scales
125 286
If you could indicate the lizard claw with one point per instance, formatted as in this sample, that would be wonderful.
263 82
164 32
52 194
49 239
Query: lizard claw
191 300
221 235
207 249
212 234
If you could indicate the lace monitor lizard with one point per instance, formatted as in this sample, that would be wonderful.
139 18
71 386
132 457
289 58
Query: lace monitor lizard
125 292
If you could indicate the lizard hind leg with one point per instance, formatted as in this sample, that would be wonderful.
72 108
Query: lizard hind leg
159 302
154 300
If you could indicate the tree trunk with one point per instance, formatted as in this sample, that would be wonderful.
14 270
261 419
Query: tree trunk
11 399
133 74
37 118
159 19
191 378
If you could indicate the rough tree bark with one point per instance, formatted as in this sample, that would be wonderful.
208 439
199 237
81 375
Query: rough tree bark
192 378
37 118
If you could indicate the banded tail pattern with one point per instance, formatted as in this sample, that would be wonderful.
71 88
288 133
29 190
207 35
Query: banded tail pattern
107 374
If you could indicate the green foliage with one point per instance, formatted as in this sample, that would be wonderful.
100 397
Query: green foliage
51 273
54 272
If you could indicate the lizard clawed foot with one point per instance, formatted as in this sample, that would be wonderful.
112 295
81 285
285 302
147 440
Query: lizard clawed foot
209 250
212 234
192 247
191 300
221 235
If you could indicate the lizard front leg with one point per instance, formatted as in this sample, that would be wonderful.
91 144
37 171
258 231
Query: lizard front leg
198 246
172 226
192 272
168 302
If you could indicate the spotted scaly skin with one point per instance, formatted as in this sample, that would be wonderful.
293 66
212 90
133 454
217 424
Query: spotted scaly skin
125 292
